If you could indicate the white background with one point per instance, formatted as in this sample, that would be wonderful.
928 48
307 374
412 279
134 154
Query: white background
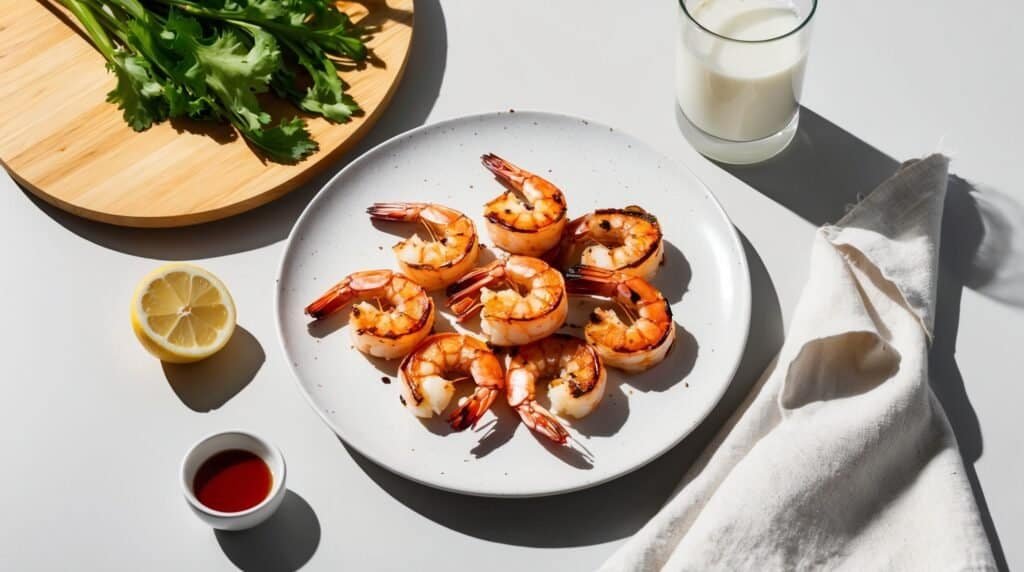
93 429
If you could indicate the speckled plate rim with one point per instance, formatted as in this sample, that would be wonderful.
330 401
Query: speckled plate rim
743 297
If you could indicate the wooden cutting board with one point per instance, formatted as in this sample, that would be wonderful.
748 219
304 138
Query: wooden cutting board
62 141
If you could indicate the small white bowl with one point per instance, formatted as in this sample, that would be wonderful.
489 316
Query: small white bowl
220 442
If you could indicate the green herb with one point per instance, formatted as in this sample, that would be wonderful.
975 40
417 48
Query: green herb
210 59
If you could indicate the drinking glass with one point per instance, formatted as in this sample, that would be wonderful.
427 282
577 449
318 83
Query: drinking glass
739 73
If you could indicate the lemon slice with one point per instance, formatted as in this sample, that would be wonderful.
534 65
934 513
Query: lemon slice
182 313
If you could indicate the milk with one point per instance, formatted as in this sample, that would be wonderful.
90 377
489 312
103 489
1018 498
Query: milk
734 90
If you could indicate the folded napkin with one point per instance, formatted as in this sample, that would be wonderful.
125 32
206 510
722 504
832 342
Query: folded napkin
841 457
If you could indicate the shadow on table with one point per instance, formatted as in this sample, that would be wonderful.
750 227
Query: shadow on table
285 542
823 172
611 511
208 384
270 223
826 170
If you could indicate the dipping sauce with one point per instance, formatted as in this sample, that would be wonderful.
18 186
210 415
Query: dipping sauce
232 481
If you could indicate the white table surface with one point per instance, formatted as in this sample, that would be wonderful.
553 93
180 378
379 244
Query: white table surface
94 429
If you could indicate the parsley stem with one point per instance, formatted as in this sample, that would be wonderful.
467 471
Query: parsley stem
92 26
352 47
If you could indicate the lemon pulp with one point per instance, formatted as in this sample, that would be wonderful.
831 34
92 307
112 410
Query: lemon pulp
182 313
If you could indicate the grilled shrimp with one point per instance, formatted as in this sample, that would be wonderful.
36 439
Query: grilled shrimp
522 299
400 316
430 372
637 346
450 251
626 240
576 381
528 218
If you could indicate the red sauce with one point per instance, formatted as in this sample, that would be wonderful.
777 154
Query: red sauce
232 481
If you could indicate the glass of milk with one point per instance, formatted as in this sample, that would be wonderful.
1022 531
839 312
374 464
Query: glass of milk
739 72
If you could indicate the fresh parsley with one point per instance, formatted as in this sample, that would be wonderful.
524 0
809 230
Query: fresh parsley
210 59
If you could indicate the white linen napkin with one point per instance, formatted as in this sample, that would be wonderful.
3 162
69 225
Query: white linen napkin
841 457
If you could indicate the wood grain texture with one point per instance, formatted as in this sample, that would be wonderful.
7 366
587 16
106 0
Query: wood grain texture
62 141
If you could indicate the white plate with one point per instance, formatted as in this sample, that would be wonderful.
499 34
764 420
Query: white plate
705 278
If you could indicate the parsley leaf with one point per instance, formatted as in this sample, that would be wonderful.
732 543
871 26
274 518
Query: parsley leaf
213 59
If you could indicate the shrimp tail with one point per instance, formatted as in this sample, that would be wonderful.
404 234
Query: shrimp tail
540 420
591 281
465 308
577 229
405 212
567 249
331 301
345 291
503 169
464 294
472 409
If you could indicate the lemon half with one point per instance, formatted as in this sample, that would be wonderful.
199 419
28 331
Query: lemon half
182 313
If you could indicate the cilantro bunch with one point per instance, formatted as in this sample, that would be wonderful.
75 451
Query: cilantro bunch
209 59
